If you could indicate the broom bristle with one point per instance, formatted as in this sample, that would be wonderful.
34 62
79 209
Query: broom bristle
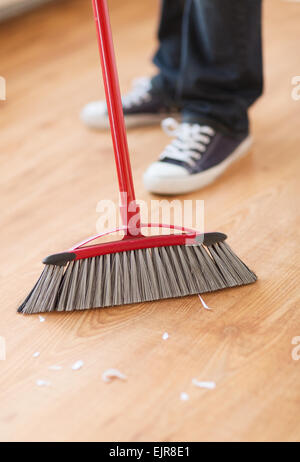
137 276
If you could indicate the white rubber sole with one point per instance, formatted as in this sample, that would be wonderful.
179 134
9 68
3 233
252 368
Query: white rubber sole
187 183
131 121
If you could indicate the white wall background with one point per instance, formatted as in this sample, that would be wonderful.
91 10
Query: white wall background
9 8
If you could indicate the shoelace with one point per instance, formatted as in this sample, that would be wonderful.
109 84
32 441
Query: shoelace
139 93
190 142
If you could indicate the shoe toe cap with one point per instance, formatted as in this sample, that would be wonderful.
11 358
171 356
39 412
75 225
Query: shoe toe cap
161 177
95 114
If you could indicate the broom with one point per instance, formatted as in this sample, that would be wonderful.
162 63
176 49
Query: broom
137 268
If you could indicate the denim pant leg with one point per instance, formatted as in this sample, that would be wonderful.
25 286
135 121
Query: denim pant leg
167 57
221 62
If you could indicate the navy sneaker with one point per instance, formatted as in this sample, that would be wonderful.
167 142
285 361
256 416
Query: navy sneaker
142 106
195 158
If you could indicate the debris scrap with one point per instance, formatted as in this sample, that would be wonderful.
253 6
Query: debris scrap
43 383
111 374
78 365
165 336
184 396
205 306
41 318
36 354
55 368
208 385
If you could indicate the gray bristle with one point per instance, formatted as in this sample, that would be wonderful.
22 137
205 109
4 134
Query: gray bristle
137 276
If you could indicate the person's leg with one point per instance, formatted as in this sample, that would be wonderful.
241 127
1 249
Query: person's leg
221 62
220 76
167 58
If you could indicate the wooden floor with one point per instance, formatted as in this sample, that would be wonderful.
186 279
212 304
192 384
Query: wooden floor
53 173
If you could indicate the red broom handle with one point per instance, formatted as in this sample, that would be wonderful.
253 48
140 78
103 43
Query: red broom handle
116 117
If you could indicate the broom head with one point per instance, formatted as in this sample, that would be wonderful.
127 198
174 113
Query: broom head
136 269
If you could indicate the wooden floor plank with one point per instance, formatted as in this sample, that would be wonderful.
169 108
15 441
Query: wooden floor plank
53 173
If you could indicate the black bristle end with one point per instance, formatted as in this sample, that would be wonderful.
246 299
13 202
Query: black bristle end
211 238
59 259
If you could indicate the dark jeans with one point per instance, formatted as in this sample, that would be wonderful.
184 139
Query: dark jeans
210 59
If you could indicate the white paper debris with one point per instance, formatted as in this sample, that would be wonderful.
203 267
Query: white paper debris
42 319
165 336
203 303
110 374
43 383
78 365
55 368
36 354
184 396
208 385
